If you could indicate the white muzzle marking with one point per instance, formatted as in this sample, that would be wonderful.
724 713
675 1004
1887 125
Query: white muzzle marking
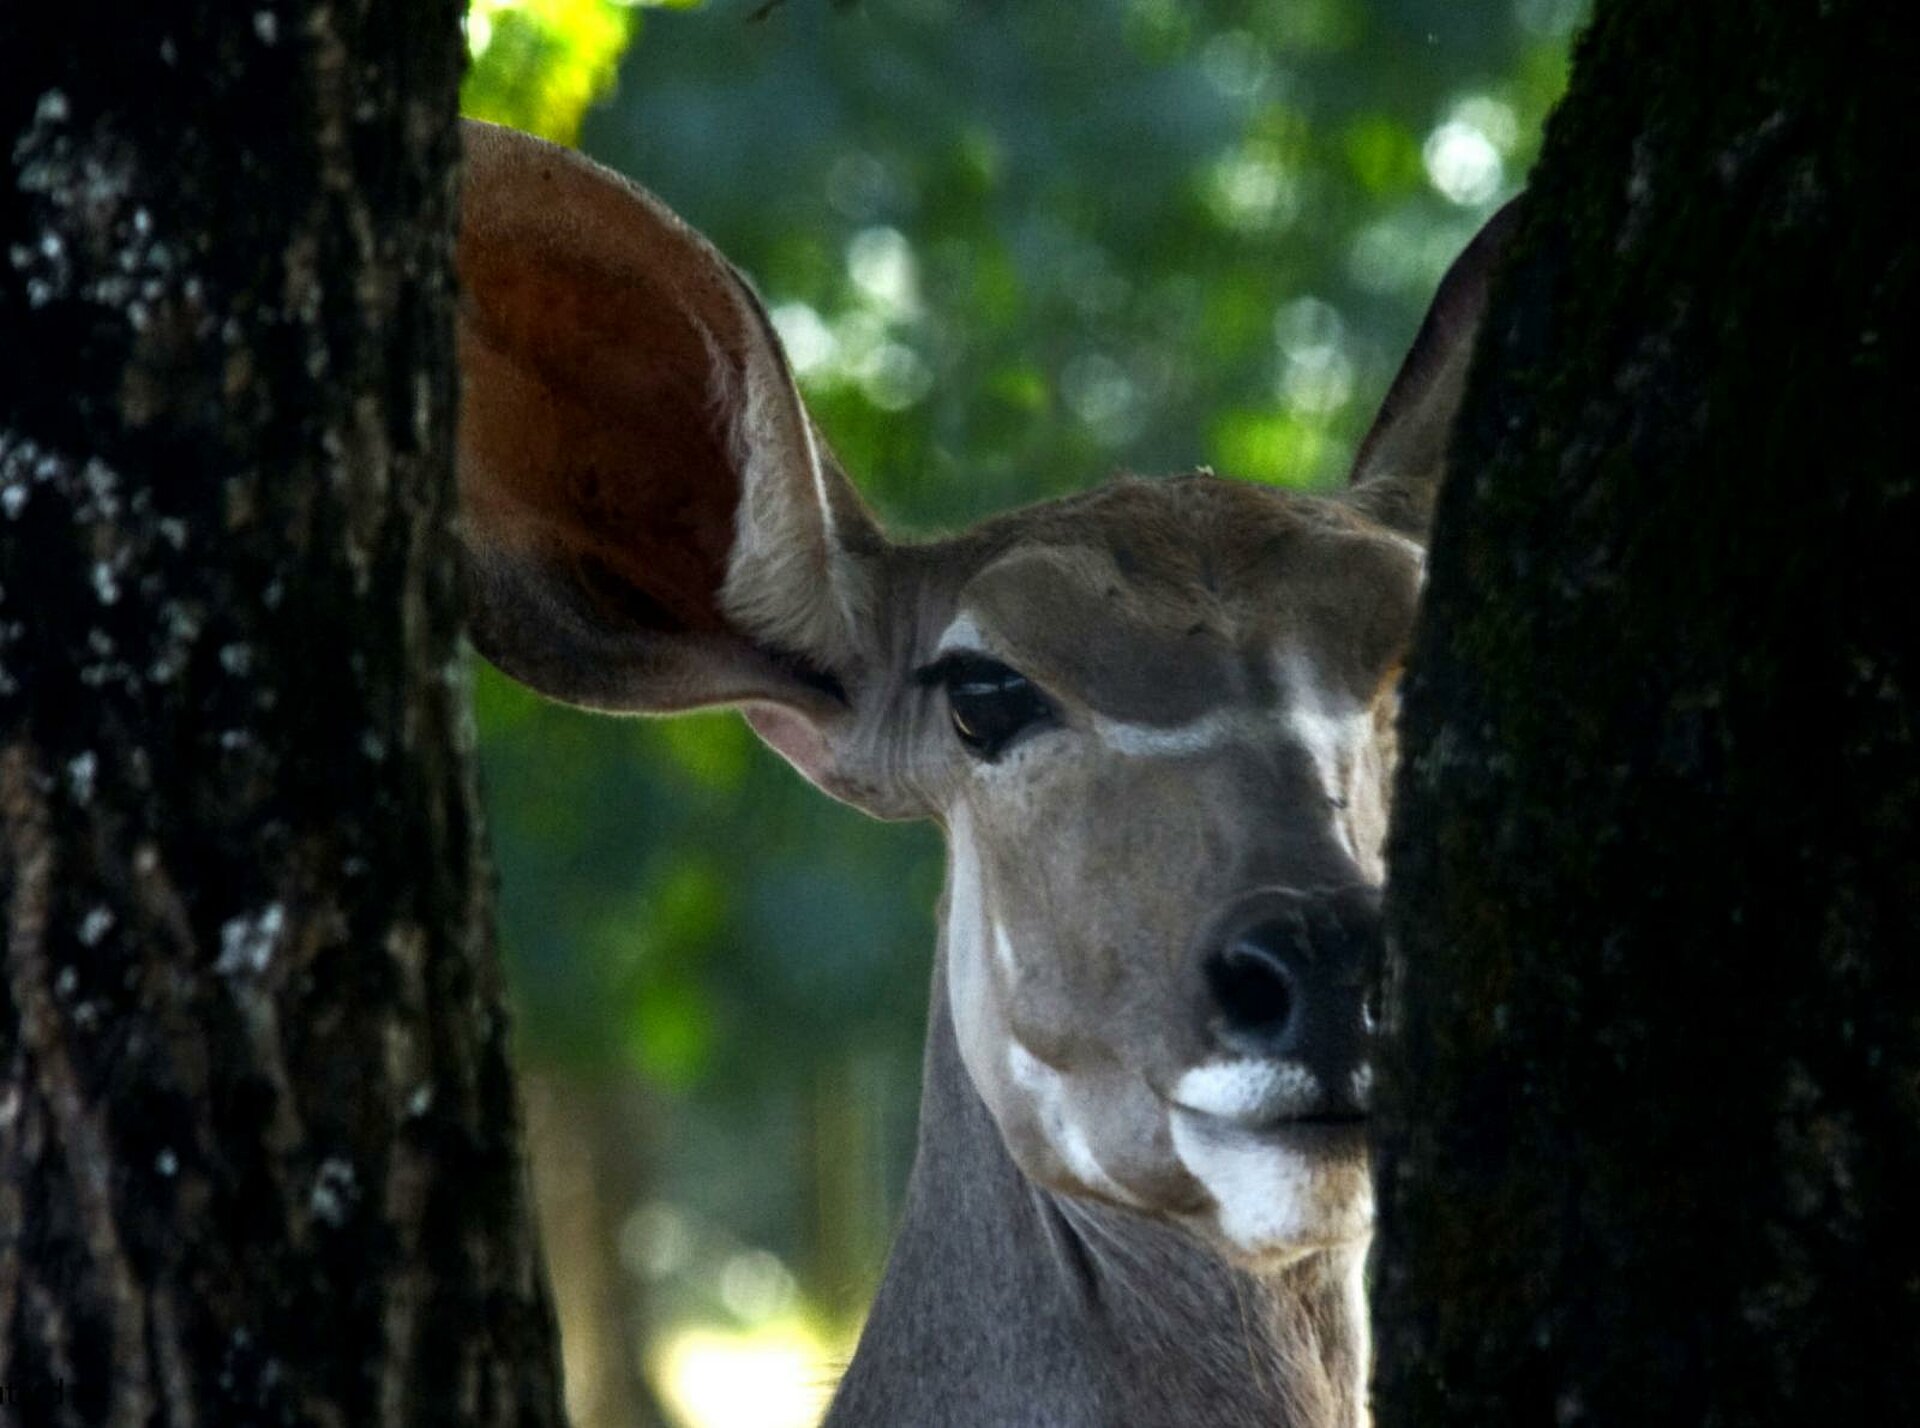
1248 1092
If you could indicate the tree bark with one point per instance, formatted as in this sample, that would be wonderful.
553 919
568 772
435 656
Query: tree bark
259 1154
1651 1123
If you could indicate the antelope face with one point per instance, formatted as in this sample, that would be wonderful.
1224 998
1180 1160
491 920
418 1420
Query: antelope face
1156 720
1170 724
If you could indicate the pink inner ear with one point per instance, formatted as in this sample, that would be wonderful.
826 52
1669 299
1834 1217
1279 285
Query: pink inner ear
796 738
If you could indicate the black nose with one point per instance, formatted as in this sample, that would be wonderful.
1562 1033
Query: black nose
1290 973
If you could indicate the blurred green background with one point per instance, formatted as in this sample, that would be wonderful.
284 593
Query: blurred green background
1011 247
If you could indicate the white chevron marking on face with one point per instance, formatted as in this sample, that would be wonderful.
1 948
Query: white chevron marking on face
1053 1103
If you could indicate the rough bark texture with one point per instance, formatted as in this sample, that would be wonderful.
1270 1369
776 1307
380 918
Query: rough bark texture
258 1148
1652 1122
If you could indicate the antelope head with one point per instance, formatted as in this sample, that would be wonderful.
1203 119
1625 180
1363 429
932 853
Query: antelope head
1155 720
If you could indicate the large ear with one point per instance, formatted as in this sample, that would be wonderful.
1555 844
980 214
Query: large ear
1397 470
648 519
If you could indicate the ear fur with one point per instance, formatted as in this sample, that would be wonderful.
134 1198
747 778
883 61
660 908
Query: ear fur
649 520
1398 467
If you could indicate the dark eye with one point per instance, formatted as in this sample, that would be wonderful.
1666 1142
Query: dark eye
991 705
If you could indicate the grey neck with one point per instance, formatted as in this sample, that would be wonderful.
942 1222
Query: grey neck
1005 1306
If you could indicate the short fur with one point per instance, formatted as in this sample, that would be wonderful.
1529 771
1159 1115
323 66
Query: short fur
652 523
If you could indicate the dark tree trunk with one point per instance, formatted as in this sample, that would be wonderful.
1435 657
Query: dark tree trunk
258 1146
1652 1132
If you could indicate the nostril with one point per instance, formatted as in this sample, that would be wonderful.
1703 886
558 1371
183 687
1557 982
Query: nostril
1252 987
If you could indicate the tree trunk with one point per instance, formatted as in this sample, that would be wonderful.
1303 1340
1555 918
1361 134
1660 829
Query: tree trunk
1652 1117
258 1144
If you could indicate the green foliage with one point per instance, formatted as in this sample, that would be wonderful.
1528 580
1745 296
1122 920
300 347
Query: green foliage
538 64
1011 248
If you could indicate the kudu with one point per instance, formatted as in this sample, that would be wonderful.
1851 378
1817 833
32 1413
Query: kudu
1156 723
